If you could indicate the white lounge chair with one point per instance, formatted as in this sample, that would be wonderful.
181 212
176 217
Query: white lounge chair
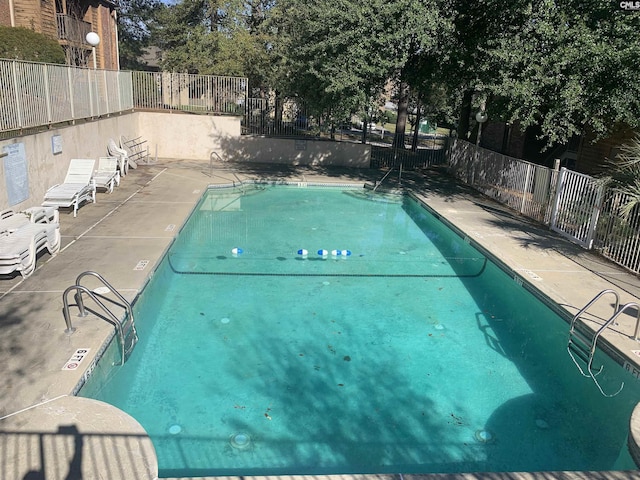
77 188
19 249
124 161
107 175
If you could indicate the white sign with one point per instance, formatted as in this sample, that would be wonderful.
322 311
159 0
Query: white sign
76 359
15 173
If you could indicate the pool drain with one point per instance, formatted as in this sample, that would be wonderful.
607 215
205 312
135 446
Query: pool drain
175 429
241 441
225 320
484 436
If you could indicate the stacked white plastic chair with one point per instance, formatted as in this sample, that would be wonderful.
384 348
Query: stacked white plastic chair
124 162
25 234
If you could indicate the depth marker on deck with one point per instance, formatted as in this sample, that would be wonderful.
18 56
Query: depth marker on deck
142 264
74 362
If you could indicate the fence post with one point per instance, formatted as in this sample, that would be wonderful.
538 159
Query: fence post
105 93
90 93
595 216
525 190
17 92
47 94
71 102
556 200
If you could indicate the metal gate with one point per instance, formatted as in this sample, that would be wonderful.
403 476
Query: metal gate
577 207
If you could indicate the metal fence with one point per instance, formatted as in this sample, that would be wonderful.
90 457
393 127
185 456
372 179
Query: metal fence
39 94
291 119
188 92
570 203
576 206
523 186
388 157
617 236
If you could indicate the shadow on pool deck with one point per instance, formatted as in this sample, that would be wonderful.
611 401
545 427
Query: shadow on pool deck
46 433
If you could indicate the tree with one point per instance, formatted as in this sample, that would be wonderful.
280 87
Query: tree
215 37
339 55
135 23
623 175
570 66
23 44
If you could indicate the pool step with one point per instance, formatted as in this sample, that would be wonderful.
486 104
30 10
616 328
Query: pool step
129 336
583 343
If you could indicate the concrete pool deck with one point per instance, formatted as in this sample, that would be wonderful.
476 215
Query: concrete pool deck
47 433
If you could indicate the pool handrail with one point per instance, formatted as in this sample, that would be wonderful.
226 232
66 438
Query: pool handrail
584 345
120 326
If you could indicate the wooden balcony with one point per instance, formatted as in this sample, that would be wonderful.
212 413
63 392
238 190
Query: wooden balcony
72 31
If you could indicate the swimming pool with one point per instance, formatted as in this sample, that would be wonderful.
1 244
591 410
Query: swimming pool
407 352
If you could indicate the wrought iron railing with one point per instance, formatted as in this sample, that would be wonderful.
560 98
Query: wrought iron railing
72 29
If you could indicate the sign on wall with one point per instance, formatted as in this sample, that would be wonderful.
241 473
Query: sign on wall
15 173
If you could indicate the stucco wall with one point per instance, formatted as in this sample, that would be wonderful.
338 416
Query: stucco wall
44 169
195 137
184 136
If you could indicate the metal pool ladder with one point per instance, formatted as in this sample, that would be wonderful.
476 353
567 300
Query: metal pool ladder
125 327
582 343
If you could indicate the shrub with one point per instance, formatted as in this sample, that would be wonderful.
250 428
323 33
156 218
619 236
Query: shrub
18 43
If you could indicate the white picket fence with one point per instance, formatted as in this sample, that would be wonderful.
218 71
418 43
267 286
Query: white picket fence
570 203
38 94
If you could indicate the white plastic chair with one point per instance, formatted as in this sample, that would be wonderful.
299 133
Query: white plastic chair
107 175
77 188
124 161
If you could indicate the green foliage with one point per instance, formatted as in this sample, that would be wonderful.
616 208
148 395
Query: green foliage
215 37
23 44
564 65
623 175
136 20
568 66
337 56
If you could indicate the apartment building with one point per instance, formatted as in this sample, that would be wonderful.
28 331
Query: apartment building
69 21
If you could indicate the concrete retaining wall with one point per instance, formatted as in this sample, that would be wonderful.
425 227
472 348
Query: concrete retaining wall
168 135
184 136
44 168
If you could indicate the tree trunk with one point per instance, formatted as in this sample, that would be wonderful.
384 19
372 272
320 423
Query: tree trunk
416 130
465 113
365 127
403 112
278 110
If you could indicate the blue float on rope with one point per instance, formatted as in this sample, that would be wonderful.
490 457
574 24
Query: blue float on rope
303 252
323 253
236 251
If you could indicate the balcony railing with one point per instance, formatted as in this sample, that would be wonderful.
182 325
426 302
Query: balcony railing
72 29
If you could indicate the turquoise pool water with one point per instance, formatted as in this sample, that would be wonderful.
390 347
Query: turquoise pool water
412 354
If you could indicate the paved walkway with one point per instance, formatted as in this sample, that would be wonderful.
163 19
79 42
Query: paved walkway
47 433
